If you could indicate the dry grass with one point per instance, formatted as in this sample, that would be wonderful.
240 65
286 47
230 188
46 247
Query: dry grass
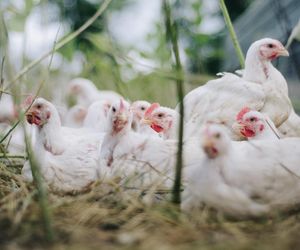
109 217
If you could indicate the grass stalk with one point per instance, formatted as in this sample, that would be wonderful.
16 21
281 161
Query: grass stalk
61 43
41 192
232 33
171 32
16 97
1 75
35 170
10 156
9 131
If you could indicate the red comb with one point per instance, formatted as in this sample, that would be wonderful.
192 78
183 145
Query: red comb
151 108
242 113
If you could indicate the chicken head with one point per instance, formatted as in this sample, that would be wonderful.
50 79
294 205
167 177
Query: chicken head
270 49
39 113
160 119
120 116
215 141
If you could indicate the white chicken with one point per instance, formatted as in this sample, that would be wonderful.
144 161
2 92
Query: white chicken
138 109
142 159
262 88
291 127
7 109
254 125
96 117
75 116
163 120
150 158
244 178
86 92
67 158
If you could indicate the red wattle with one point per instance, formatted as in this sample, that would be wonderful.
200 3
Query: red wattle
273 56
156 128
247 132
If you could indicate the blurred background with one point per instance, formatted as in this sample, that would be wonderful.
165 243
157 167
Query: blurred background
125 49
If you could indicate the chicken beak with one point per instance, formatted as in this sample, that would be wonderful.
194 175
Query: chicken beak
122 117
209 148
34 117
237 127
146 121
30 115
208 142
283 52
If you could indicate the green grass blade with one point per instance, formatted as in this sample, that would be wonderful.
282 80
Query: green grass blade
171 32
232 33
41 192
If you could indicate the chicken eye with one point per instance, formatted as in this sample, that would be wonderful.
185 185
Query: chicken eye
217 135
143 108
270 45
160 115
252 119
39 106
113 109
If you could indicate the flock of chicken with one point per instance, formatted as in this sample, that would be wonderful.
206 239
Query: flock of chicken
235 156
